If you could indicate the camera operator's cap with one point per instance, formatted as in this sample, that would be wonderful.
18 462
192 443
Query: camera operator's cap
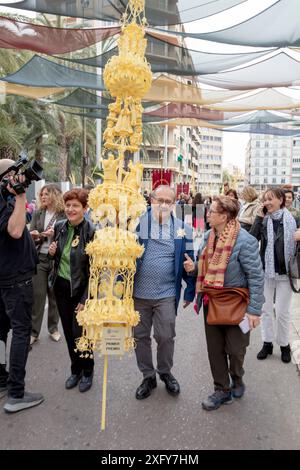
5 163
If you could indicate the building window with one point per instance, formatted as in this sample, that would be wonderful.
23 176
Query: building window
274 180
274 171
257 144
282 180
275 161
265 171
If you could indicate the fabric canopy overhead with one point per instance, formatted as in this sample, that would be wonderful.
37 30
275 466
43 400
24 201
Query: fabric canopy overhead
27 91
188 122
103 115
278 71
157 13
169 58
83 99
169 89
262 129
19 35
40 72
183 110
255 118
276 26
264 99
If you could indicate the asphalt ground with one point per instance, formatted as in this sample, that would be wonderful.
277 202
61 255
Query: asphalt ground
267 417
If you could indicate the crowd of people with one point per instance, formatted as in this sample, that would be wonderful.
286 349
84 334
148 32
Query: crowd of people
239 275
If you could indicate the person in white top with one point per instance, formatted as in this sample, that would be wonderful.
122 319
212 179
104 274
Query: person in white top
51 209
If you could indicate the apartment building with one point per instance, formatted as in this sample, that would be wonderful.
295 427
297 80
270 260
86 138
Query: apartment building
210 162
269 161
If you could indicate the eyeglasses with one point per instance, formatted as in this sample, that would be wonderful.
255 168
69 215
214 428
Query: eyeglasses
160 201
211 211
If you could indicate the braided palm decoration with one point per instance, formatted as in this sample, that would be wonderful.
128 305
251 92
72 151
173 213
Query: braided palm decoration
114 250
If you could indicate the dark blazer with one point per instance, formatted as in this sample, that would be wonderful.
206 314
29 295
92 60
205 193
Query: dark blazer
79 260
183 244
259 231
38 219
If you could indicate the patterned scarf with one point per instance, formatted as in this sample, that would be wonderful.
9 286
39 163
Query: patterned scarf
289 228
213 261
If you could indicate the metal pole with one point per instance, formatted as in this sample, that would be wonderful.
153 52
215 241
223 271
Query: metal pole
104 390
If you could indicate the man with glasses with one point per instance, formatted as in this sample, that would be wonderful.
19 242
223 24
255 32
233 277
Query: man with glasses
157 288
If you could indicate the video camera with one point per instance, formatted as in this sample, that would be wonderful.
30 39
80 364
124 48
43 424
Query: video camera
31 170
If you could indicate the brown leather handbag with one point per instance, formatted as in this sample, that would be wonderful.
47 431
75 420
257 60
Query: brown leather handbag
227 306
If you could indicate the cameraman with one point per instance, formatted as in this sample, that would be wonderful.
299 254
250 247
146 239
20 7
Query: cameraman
18 264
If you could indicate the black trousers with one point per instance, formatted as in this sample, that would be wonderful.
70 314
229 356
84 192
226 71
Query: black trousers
226 347
66 308
15 313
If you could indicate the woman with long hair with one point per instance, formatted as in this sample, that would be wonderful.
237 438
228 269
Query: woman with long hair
275 228
50 209
230 281
250 209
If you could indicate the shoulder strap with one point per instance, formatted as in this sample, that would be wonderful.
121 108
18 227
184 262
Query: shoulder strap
51 222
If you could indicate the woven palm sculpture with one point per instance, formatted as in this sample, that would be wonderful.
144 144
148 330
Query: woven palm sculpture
118 201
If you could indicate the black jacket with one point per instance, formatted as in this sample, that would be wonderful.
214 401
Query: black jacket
79 260
259 231
18 257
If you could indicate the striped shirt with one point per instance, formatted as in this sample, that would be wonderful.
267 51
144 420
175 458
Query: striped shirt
156 277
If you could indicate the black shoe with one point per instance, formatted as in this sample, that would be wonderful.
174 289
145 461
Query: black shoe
286 353
238 390
172 385
146 387
72 381
214 401
266 349
85 383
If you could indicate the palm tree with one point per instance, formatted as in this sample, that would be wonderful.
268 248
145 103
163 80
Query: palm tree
10 136
34 119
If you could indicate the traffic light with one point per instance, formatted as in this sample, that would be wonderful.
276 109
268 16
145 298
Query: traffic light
180 158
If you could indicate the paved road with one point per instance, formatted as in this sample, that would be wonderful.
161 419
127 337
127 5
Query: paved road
267 417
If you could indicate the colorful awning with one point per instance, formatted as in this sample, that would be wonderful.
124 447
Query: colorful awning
20 35
157 12
276 26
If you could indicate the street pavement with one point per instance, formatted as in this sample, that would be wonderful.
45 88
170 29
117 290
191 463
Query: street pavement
267 417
